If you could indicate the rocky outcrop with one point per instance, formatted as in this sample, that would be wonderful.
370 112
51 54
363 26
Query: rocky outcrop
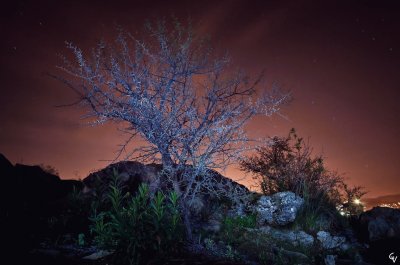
294 237
279 209
381 223
300 238
131 174
329 241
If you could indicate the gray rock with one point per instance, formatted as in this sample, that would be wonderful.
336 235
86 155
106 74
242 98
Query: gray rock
328 241
330 260
98 255
47 252
196 205
212 226
278 209
292 256
263 229
265 210
345 246
378 229
381 223
238 210
296 238
304 239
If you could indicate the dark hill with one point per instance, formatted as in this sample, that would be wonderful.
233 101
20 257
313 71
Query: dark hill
132 174
29 196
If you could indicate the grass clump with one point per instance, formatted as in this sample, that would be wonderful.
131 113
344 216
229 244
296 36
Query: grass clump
234 227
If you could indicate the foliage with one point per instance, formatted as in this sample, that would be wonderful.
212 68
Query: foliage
246 221
138 227
232 227
49 169
70 216
317 213
352 204
81 239
176 93
264 249
287 164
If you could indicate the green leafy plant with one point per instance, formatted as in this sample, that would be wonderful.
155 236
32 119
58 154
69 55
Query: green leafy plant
232 227
264 257
140 227
81 239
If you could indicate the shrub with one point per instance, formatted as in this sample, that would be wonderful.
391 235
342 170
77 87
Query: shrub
137 228
49 169
351 200
287 164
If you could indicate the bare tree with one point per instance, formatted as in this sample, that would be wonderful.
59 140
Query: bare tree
172 90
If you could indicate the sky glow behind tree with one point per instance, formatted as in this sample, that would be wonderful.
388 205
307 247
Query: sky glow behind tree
339 59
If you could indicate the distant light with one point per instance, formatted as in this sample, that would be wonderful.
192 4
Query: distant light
357 201
342 213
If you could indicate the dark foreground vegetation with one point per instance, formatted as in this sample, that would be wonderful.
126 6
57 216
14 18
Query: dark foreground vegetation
304 215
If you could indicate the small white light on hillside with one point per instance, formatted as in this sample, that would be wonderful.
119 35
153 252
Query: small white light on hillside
357 201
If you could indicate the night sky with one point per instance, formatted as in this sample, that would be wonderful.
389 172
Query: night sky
341 60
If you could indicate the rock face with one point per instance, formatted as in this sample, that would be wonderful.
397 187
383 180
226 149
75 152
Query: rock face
278 209
381 223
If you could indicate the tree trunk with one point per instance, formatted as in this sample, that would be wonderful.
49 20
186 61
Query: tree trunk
168 165
166 160
185 212
187 223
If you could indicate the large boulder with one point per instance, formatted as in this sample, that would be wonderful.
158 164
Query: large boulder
381 223
279 209
379 229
